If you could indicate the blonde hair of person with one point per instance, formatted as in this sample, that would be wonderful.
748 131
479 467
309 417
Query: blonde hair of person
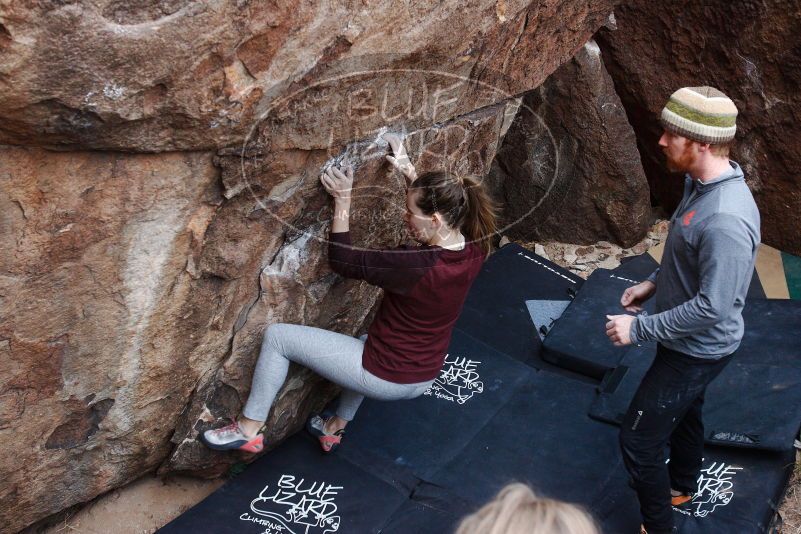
517 510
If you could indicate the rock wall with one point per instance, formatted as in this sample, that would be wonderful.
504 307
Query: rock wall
749 50
96 335
136 286
569 169
182 75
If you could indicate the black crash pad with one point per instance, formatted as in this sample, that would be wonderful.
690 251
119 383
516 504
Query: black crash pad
748 405
738 492
423 434
420 465
543 437
578 340
430 509
417 518
772 329
495 311
638 268
295 489
756 400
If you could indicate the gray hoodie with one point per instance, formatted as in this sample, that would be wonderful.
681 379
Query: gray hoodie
706 269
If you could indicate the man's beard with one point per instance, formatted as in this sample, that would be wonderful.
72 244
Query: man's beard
684 162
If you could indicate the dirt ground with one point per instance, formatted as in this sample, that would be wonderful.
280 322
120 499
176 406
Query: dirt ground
790 509
149 503
138 508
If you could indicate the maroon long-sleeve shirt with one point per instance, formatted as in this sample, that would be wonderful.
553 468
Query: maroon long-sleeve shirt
424 290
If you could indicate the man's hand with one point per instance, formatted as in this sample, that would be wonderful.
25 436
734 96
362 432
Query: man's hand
618 329
338 182
634 296
399 159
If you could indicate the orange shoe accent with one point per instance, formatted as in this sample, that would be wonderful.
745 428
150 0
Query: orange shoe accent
255 445
316 427
329 443
680 499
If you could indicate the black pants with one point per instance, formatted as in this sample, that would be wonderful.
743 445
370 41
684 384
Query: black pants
666 410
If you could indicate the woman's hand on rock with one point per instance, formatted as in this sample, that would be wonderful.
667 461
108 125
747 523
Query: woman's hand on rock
399 159
338 181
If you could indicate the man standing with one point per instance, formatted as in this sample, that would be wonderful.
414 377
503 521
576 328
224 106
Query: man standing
700 293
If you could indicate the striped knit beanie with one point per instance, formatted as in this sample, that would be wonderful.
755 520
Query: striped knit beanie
702 114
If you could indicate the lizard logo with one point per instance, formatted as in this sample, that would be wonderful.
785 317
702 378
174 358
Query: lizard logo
715 489
458 381
296 507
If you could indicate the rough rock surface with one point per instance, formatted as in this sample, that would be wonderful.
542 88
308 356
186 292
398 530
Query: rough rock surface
749 50
96 349
568 169
136 287
182 75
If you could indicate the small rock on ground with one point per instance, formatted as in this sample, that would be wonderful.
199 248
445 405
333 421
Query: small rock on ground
584 259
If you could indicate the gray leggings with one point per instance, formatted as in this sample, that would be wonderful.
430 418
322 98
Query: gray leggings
333 356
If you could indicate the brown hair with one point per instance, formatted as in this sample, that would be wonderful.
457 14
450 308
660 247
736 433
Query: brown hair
462 202
517 510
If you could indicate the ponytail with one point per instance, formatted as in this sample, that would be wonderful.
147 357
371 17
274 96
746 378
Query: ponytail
463 202
480 221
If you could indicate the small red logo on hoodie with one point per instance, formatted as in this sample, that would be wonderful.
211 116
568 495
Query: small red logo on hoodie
688 217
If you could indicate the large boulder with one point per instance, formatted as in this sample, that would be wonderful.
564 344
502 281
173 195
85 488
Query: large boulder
136 287
99 320
749 50
568 169
183 75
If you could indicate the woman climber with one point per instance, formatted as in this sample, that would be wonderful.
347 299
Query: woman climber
453 220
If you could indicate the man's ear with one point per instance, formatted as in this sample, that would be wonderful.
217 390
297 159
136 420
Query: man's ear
703 147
